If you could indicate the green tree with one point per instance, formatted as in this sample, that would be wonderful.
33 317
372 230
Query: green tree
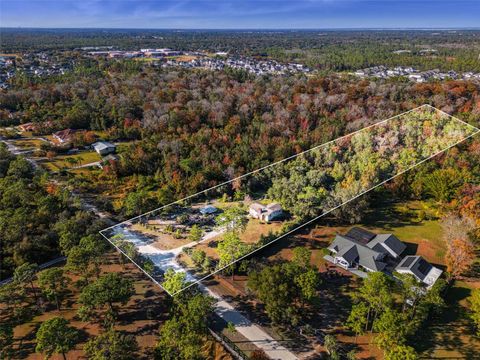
274 286
195 233
85 258
198 257
233 219
474 302
103 294
391 328
112 345
55 336
442 184
376 291
401 352
357 320
331 345
6 340
307 282
183 336
230 249
53 284
302 256
20 168
174 281
26 274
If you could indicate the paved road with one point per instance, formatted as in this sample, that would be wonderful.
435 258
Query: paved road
165 259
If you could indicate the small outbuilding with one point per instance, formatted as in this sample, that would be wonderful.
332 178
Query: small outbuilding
104 148
421 269
208 209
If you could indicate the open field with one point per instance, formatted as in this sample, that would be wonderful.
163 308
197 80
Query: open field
62 161
29 143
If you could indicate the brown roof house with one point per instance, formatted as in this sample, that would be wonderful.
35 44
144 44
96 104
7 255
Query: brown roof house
65 136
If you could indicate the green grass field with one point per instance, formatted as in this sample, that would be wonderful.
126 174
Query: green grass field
62 162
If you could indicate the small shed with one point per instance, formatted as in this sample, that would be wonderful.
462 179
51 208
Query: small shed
208 209
104 148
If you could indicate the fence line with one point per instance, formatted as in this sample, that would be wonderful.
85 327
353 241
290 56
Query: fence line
229 345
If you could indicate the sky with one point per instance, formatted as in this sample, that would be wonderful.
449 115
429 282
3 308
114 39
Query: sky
240 14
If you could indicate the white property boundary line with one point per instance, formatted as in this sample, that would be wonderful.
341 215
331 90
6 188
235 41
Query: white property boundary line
476 131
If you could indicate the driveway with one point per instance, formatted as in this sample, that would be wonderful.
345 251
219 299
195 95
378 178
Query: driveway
165 259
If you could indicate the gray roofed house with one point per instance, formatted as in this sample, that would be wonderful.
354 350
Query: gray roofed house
364 249
387 242
420 268
104 147
350 253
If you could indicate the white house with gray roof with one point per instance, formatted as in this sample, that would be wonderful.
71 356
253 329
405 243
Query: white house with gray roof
104 148
421 269
362 249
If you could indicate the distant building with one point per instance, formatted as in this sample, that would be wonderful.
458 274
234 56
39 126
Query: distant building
104 148
27 127
65 136
208 209
421 269
265 213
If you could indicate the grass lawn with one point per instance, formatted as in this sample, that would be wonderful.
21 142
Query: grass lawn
450 335
28 143
60 162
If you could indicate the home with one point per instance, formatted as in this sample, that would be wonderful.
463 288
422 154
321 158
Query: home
421 269
104 148
27 127
265 213
65 136
360 248
208 209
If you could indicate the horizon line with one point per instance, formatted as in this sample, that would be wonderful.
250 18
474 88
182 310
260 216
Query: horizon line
423 28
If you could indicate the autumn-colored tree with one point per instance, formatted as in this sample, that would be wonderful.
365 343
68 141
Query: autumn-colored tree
459 257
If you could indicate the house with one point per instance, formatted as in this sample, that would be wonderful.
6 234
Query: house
360 248
27 127
104 148
265 213
208 209
65 136
420 268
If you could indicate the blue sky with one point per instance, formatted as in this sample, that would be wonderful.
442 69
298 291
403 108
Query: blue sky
256 14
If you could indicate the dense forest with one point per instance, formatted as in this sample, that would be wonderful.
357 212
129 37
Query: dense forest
185 131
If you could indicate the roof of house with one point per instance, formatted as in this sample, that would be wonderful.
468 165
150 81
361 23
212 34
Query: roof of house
208 209
64 133
416 265
257 207
102 145
274 207
353 250
391 241
361 235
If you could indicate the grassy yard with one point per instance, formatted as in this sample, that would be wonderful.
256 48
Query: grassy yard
28 143
62 162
